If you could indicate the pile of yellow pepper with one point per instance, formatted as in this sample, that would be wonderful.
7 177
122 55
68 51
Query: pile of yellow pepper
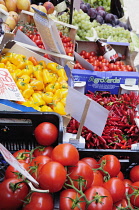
43 85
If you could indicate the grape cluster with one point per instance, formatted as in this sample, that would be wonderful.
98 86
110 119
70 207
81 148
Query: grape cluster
95 3
81 20
101 16
118 34
1 30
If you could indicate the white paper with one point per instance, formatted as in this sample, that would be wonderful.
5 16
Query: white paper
83 62
8 88
97 115
21 37
14 162
76 4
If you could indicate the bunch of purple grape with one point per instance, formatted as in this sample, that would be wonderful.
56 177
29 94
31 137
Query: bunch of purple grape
101 16
1 30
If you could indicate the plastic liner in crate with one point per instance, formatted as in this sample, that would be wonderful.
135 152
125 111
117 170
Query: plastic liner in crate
17 128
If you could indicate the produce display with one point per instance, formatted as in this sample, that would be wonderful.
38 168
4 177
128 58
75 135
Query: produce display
102 174
101 64
76 179
120 130
44 86
31 31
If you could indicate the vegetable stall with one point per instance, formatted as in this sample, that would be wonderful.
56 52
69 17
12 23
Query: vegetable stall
69 122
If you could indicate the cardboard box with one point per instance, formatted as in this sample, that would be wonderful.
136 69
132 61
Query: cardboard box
105 81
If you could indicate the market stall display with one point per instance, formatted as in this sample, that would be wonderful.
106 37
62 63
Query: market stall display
60 147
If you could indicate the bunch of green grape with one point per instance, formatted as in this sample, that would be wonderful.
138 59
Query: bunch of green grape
82 21
115 34
95 3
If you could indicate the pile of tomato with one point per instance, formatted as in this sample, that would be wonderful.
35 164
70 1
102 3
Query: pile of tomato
33 34
83 183
101 64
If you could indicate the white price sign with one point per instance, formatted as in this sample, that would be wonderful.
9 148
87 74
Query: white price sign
8 88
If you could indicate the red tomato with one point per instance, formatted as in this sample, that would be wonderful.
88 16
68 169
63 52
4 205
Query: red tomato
90 161
23 155
46 133
98 179
122 203
11 172
38 42
68 199
52 176
134 174
12 194
82 52
81 170
39 201
66 154
134 189
92 53
103 198
111 164
36 165
127 183
116 188
120 175
87 55
47 151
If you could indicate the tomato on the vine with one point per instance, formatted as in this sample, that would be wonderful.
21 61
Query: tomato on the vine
70 199
39 201
90 161
23 155
81 172
116 187
134 174
42 150
52 176
12 193
12 172
100 197
36 165
134 194
110 164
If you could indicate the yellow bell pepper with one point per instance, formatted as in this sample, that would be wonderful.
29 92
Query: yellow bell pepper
25 78
27 71
47 97
27 93
62 73
59 108
37 85
52 66
22 65
37 98
11 67
38 74
20 84
43 64
47 78
2 65
50 88
61 93
46 108
63 101
4 59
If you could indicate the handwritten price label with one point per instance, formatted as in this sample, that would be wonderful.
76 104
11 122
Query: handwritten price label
8 88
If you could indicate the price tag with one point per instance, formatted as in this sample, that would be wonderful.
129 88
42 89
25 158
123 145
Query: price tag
135 146
8 88
14 162
130 81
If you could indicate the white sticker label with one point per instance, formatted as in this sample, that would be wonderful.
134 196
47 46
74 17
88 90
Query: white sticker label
135 146
130 81
8 88
14 162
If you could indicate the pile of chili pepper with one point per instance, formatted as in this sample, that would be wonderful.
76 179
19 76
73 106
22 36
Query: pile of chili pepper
120 130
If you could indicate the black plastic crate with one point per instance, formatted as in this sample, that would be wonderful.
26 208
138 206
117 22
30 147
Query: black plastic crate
16 128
